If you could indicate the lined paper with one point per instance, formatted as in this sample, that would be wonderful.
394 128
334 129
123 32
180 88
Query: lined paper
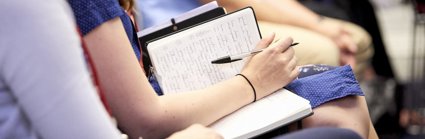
182 62
184 59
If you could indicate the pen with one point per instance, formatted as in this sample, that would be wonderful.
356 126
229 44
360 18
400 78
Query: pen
229 59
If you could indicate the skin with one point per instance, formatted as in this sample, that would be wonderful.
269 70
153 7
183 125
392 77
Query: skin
140 112
289 12
196 131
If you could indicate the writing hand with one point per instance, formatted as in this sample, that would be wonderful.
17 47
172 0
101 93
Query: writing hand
272 68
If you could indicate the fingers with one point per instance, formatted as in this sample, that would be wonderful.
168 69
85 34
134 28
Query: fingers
347 37
352 47
272 68
347 58
282 45
345 42
294 69
295 72
265 42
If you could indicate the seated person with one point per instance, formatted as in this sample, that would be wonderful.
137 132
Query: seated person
46 91
136 106
45 88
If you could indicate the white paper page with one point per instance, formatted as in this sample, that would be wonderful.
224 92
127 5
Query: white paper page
180 18
183 60
266 114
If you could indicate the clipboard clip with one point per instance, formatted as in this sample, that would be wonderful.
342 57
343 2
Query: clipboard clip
173 24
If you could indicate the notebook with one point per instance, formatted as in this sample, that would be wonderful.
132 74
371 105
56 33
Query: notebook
182 62
190 18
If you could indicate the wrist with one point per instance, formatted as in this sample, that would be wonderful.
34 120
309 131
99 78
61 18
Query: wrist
254 92
260 86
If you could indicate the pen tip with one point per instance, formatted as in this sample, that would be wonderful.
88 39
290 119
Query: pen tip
214 62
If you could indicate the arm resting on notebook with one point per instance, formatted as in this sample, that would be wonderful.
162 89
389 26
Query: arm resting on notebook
140 112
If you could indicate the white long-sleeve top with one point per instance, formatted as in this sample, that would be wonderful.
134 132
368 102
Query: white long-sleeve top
45 87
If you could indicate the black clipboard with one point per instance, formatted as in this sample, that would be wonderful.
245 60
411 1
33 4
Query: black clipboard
216 12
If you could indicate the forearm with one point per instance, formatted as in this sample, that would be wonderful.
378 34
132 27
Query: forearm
177 111
207 105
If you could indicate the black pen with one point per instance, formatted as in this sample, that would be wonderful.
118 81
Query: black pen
228 59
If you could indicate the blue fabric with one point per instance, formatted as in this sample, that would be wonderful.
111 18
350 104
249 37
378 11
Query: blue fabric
154 83
158 11
321 133
308 70
92 13
326 86
131 34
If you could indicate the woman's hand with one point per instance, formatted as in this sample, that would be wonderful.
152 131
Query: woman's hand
196 131
341 37
273 68
346 46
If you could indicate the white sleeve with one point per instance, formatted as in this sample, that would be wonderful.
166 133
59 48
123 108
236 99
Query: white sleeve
42 62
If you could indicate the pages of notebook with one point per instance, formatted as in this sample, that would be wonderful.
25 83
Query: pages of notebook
184 58
278 109
180 18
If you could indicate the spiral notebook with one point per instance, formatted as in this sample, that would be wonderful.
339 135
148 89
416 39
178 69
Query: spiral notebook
182 62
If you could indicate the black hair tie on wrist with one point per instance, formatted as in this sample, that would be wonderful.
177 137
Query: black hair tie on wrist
255 93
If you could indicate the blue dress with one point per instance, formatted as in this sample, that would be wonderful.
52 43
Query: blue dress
320 84
89 14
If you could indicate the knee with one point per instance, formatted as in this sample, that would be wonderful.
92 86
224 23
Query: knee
353 110
360 36
314 48
319 51
363 41
326 53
